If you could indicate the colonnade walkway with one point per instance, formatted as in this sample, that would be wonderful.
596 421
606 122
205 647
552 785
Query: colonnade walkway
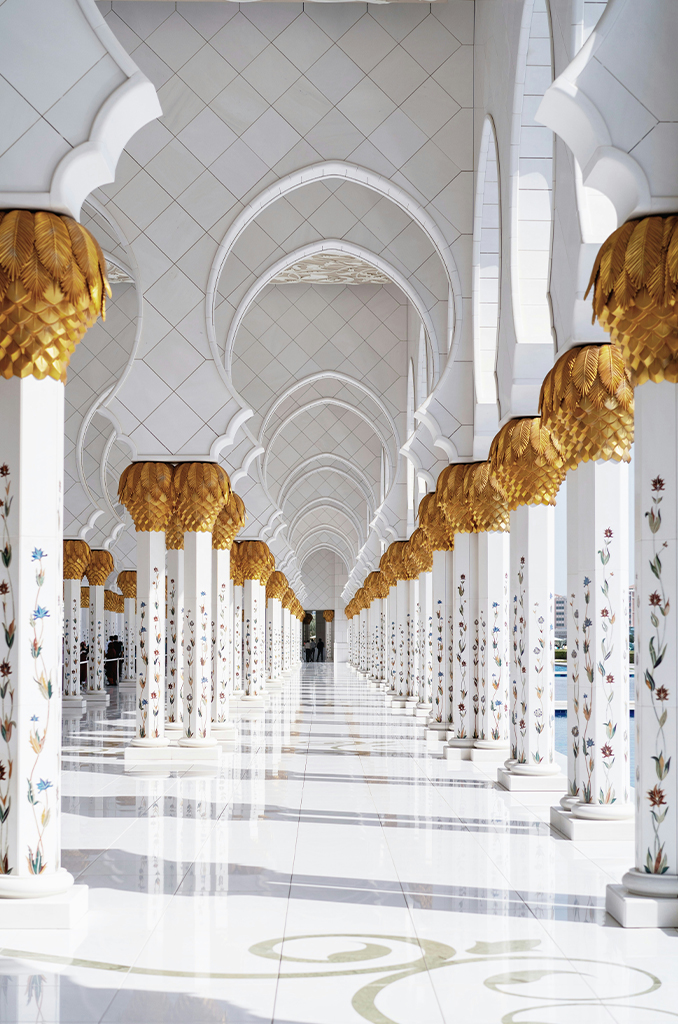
331 870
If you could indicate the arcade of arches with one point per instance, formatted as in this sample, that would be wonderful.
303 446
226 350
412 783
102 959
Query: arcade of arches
339 509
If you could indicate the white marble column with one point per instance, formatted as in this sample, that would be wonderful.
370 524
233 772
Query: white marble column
442 596
127 581
175 638
463 708
31 582
237 637
197 639
425 705
72 639
76 556
531 621
655 872
493 640
363 641
287 641
99 569
402 610
413 610
254 653
222 616
598 665
274 616
150 696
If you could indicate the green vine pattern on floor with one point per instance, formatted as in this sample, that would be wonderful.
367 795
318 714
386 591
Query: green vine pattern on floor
514 969
656 861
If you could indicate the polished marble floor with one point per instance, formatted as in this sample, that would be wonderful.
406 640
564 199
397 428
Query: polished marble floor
332 870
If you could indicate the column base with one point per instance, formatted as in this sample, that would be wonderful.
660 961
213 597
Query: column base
62 910
174 727
224 731
633 911
127 684
34 887
457 753
488 751
556 783
422 712
98 697
583 830
150 743
254 701
174 752
274 684
73 706
603 812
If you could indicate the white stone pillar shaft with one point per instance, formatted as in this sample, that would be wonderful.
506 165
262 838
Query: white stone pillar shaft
71 638
197 640
413 638
95 668
31 639
275 614
426 639
493 638
656 637
598 669
253 665
442 579
222 615
531 611
463 709
175 638
287 640
237 639
129 639
150 697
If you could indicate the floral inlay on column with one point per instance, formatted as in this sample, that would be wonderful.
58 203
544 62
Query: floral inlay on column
7 723
656 861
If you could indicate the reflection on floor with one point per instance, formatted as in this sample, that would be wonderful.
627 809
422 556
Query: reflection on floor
332 870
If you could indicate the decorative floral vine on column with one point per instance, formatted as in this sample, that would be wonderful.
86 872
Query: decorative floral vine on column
607 681
221 652
172 652
401 655
204 662
514 682
477 677
538 651
247 639
440 657
7 723
189 660
520 655
574 655
587 743
38 788
157 659
461 661
656 861
143 654
495 704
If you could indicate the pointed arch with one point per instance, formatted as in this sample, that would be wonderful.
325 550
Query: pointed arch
532 175
486 268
